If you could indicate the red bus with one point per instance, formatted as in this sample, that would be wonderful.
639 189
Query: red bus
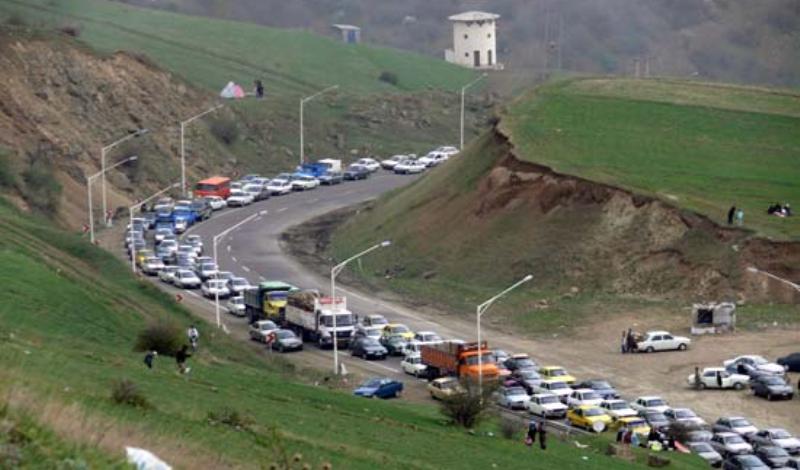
214 186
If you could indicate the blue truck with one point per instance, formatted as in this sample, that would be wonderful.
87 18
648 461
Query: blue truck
320 168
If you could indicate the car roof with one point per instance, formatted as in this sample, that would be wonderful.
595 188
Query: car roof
658 332
588 407
583 390
550 367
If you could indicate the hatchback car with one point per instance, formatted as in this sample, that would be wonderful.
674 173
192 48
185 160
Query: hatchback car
444 388
736 424
260 330
186 279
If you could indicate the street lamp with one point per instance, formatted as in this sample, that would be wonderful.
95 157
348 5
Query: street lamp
463 91
183 144
335 272
482 308
302 103
135 207
103 153
219 237
89 192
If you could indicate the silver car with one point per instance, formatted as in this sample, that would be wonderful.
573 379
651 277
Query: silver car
236 306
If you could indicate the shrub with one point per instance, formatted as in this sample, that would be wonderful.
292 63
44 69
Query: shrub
42 191
6 170
164 337
125 392
389 77
510 427
16 20
225 130
468 408
229 417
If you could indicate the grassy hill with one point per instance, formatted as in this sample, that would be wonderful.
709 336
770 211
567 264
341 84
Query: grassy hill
69 316
698 145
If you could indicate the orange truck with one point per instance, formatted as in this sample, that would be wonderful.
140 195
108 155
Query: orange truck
451 358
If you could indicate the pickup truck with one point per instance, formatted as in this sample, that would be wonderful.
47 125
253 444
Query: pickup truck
450 358
313 315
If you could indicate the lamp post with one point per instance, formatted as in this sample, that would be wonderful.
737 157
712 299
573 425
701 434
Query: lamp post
463 91
216 240
130 213
89 181
183 144
103 169
335 272
302 103
482 308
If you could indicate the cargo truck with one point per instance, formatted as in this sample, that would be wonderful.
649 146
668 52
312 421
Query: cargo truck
458 359
311 316
267 301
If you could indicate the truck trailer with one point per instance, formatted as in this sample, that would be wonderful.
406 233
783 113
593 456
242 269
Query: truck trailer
457 359
267 301
312 316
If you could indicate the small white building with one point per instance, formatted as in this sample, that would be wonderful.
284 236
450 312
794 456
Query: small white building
474 40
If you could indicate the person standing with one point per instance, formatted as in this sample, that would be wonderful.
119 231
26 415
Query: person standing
193 335
739 217
532 430
624 342
259 89
180 358
542 435
149 358
731 213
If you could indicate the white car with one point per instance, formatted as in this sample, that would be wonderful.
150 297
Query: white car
427 337
196 242
235 306
448 150
684 416
304 182
215 287
547 406
260 330
513 398
754 362
162 233
369 163
583 396
409 166
181 225
729 443
216 203
279 187
777 437
164 204
650 403
239 198
238 285
617 408
207 270
662 341
717 377
736 424
391 162
152 265
186 279
413 365
559 389
433 159
168 274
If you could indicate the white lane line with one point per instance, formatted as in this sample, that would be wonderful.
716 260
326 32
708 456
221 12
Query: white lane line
246 268
312 201
282 209
234 259
391 369
228 248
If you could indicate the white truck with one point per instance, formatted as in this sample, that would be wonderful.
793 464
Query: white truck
311 316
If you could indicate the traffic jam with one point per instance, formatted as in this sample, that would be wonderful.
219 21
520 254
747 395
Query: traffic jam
285 318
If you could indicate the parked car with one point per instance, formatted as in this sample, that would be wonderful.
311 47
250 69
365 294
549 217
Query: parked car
556 374
743 462
186 279
238 285
771 386
777 437
374 320
717 377
302 182
793 463
750 364
634 423
773 456
513 398
391 162
239 198
369 163
526 378
216 203
650 403
684 416
261 329
398 329
356 172
617 408
379 388
589 417
519 362
395 344
412 364
236 306
448 150
330 178
655 419
409 166
602 387
444 388
287 340
214 288
583 396
706 452
790 362
662 341
368 348
730 443
167 274
547 405
736 424
560 389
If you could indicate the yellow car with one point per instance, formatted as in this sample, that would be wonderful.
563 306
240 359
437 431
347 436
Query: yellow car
398 329
556 374
444 387
589 417
636 423
142 255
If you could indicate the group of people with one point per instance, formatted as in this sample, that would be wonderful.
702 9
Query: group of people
629 342
735 215
780 210
536 428
656 440
181 355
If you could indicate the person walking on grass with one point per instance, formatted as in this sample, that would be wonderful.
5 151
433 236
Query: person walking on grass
530 438
180 358
193 335
731 213
149 358
542 435
739 217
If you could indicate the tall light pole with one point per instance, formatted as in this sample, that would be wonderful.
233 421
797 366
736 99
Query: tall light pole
89 181
463 91
103 153
482 308
135 207
183 144
219 237
335 272
302 103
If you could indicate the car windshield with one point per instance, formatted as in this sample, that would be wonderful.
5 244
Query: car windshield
617 405
239 282
592 412
449 384
702 447
739 423
557 372
590 396
636 423
341 320
684 414
400 329
656 417
600 385
378 321
758 360
656 402
558 386
773 381
372 383
750 461
486 358
185 274
549 399
267 325
774 452
524 363
370 342
284 334
781 434
529 374
734 439
515 391
238 300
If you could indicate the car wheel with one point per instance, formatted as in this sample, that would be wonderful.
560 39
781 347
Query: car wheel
701 386
649 349
738 386
281 349
769 396
682 347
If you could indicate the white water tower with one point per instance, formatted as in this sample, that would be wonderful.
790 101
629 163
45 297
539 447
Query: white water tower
474 40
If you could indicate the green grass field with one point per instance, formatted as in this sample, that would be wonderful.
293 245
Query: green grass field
69 315
209 52
696 145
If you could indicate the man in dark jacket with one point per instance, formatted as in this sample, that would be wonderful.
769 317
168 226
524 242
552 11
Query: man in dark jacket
149 358
731 213
180 357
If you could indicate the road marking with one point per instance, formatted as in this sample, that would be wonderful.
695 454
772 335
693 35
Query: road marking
192 293
282 209
391 369
228 248
234 259
246 268
312 201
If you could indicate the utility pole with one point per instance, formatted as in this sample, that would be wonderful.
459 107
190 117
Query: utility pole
559 44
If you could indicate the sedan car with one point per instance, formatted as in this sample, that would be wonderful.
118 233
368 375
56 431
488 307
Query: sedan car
286 340
432 159
655 419
374 320
235 306
748 364
152 265
427 337
186 279
560 389
369 163
368 348
774 456
302 182
216 203
409 166
771 386
329 178
526 378
395 344
730 443
238 285
513 398
547 406
650 403
161 233
413 365
260 331
602 387
379 388
167 274
398 329
444 388
556 374
356 172
259 192
634 423
617 408
215 288
706 452
391 162
368 332
583 396
239 198
684 416
719 378
662 341
279 187
520 361
736 424
777 437
744 462
207 270
591 418
791 362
